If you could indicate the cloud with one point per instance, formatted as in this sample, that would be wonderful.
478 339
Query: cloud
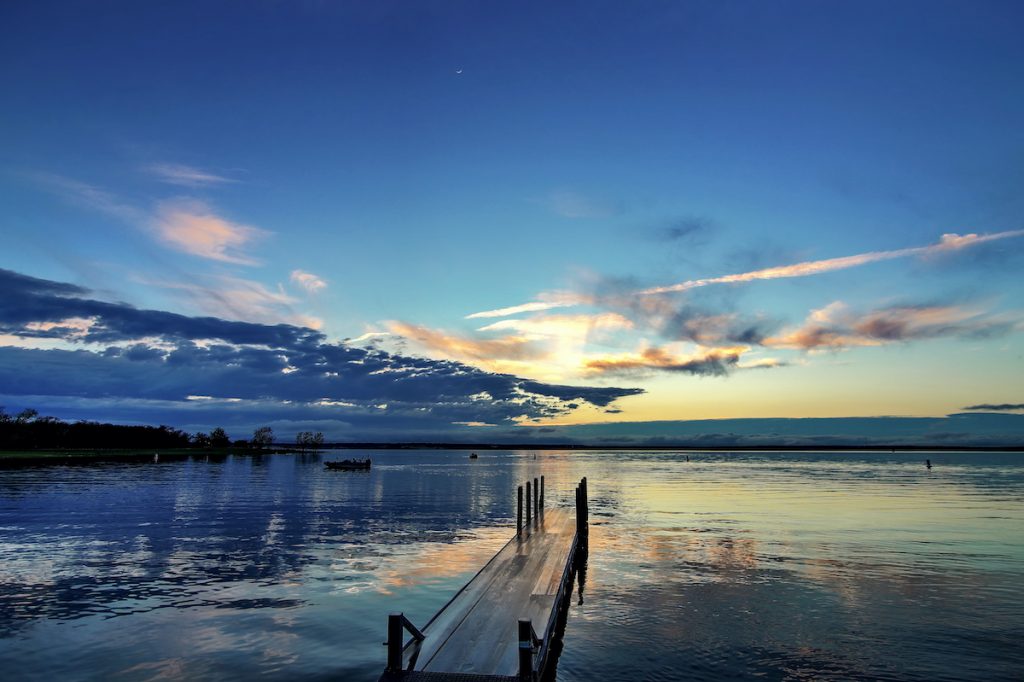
947 244
549 300
691 231
185 176
562 326
91 197
123 355
192 227
1000 407
37 308
465 348
716 362
186 225
308 281
236 298
836 327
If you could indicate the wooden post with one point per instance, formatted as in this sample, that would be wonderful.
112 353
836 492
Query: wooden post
519 513
579 513
536 501
542 494
528 504
585 500
395 638
525 650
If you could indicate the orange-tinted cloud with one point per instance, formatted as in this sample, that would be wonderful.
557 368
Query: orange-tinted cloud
835 326
714 362
308 281
235 298
192 227
461 347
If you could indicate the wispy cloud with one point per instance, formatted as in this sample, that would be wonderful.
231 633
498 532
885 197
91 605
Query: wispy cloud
550 300
308 281
185 176
562 326
90 196
460 347
192 227
836 327
235 298
186 225
948 243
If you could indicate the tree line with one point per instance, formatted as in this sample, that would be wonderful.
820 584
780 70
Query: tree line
28 430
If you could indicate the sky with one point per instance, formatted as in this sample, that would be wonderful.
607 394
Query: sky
495 221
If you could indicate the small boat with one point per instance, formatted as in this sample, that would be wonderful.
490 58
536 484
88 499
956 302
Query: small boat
349 464
473 455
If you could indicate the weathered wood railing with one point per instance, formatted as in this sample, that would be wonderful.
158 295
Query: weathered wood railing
397 624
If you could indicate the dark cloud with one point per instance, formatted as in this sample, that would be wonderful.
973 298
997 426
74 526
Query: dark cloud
836 327
713 322
689 231
14 283
691 323
32 307
282 367
999 407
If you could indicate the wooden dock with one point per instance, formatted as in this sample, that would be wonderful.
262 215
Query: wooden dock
488 631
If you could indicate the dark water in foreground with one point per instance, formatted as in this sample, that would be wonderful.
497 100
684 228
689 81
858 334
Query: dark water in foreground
770 565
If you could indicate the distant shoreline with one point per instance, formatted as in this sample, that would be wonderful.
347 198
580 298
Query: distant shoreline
136 455
682 447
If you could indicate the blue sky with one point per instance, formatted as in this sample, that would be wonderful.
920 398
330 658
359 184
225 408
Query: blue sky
390 173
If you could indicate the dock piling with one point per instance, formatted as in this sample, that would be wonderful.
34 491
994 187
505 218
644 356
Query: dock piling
529 504
536 501
542 494
519 513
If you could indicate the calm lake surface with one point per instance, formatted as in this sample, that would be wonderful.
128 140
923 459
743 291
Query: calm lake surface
732 565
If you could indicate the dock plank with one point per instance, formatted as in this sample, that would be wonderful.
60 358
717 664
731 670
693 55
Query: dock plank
476 633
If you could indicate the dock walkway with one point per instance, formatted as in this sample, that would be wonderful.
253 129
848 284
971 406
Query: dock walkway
489 629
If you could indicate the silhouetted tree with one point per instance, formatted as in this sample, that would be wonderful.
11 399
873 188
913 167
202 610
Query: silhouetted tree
307 440
26 415
219 438
29 431
263 437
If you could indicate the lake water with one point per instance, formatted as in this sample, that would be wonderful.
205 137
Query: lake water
727 566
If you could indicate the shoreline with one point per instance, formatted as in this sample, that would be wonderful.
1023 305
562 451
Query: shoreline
16 457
